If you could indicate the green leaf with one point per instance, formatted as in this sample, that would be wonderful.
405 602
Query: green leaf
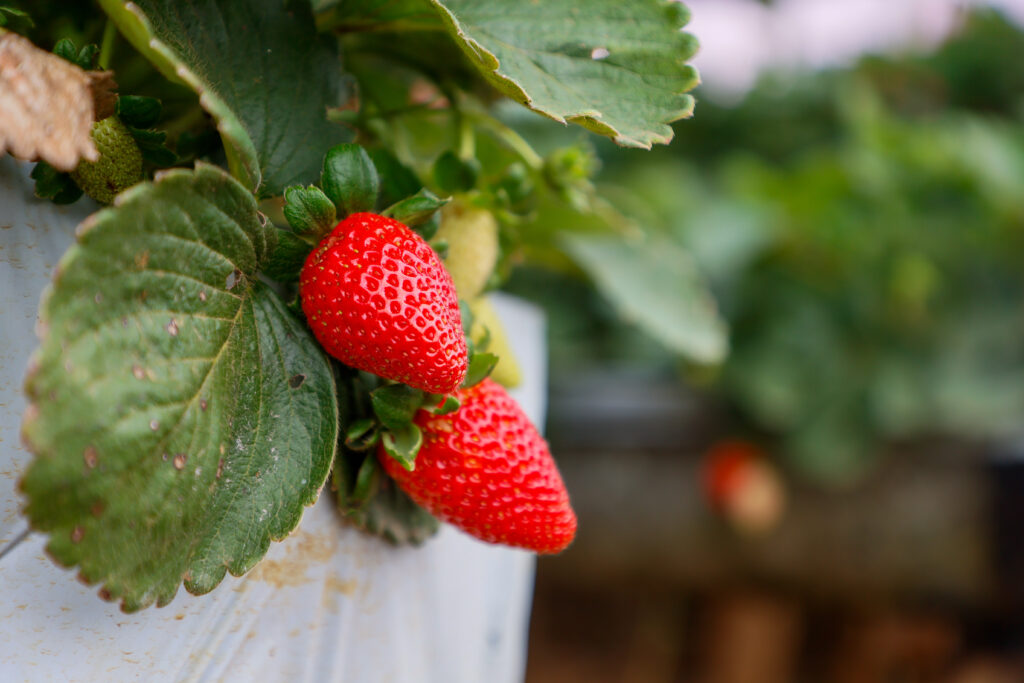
151 144
466 314
181 417
396 404
480 366
350 179
362 434
388 513
84 58
15 19
285 262
247 60
453 174
397 180
53 185
403 445
655 285
137 111
436 404
616 68
309 211
416 209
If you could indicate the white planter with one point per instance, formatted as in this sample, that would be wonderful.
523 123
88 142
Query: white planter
328 603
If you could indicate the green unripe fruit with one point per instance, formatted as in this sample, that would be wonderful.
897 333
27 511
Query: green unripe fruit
119 166
486 323
472 237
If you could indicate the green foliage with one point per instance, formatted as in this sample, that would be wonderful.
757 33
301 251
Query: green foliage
54 185
309 211
622 74
82 58
654 284
350 179
182 413
417 209
15 20
182 417
247 61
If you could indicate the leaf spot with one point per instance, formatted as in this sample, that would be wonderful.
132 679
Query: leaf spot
202 404
98 298
172 328
154 425
91 457
179 461
202 295
296 381
138 372
232 280
77 534
599 53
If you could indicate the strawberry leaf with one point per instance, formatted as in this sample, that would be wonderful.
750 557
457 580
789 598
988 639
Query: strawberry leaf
397 180
403 444
137 111
285 262
416 209
350 179
309 211
616 68
362 434
53 185
480 366
437 404
386 512
180 415
247 60
453 174
656 285
395 405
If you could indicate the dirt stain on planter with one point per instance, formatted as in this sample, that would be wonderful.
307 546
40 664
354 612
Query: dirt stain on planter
302 550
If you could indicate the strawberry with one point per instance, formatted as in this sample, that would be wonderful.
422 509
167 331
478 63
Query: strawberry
378 299
472 237
743 486
485 469
119 165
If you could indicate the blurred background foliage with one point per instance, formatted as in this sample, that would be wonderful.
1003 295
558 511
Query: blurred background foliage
861 231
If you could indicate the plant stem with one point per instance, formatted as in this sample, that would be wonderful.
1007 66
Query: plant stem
514 140
107 44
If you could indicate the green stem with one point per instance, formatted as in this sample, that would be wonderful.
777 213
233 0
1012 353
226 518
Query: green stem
511 138
467 138
107 44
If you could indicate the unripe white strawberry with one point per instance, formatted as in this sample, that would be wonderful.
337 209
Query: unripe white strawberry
472 237
486 321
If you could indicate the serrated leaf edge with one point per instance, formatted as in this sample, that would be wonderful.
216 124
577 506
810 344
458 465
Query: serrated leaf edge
243 160
32 410
489 66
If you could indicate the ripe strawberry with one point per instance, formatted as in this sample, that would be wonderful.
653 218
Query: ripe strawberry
119 166
485 469
378 299
744 487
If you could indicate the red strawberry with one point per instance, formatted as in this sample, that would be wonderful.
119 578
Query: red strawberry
485 469
379 299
